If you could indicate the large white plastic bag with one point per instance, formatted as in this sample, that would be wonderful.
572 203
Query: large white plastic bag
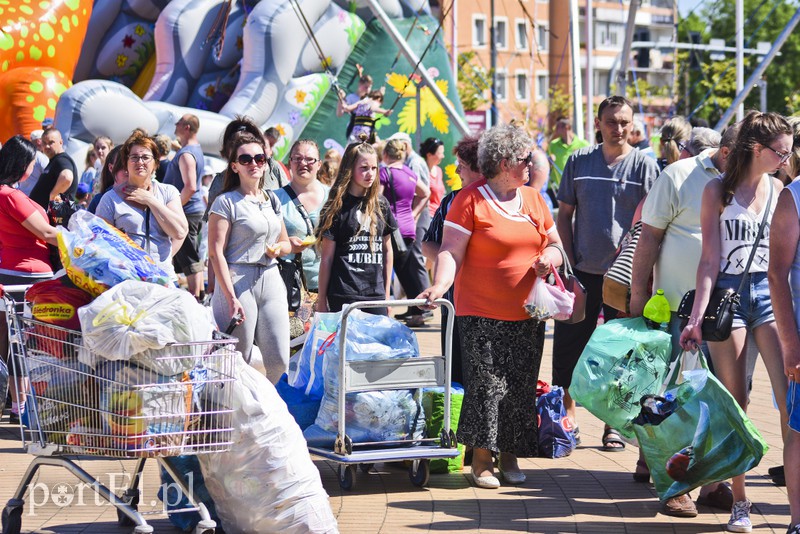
267 481
305 367
135 320
376 415
97 256
547 301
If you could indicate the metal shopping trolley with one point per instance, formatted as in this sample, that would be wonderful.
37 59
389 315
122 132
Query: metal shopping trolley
178 402
371 375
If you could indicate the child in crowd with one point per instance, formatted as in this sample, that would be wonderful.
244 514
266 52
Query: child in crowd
354 235
83 195
364 115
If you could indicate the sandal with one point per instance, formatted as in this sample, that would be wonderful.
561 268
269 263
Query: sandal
612 441
644 474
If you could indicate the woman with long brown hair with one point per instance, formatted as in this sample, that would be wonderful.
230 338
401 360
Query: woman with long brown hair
354 235
732 210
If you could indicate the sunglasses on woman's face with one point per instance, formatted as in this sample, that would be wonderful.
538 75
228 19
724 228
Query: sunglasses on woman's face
247 159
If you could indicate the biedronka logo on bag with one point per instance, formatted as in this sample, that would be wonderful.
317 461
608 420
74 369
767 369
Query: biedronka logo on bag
53 312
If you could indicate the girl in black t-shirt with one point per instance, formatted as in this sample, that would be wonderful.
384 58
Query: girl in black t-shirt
354 235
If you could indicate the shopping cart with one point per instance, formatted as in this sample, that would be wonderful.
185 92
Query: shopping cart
175 403
371 375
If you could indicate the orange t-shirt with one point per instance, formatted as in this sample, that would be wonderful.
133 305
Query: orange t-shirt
496 274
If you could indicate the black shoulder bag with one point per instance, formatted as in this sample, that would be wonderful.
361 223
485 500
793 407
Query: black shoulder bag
292 270
723 303
399 248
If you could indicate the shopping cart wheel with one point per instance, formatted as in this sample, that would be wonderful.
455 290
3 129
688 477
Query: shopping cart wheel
347 476
453 441
419 472
131 497
12 516
365 468
205 527
444 440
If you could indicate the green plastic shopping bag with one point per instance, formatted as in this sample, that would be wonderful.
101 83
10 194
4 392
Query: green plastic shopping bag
433 406
623 361
703 438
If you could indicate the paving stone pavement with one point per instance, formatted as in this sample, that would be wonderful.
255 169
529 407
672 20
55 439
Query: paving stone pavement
590 491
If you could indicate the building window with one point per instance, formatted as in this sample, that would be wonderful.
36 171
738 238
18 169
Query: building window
478 30
542 87
521 86
501 33
521 35
609 34
542 37
502 86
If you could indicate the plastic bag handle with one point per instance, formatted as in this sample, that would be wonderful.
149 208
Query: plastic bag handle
557 277
325 344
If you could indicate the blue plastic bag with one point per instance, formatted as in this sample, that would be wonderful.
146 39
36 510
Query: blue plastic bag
373 415
174 499
305 367
303 408
556 438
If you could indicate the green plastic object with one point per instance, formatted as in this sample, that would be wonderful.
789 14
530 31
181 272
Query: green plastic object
433 406
656 311
623 361
706 439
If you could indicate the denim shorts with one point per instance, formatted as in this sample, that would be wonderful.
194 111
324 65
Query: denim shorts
755 305
793 405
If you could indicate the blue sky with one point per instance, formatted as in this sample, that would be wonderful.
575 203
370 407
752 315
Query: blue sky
684 6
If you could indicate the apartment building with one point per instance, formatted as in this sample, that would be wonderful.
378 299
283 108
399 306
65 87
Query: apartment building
533 48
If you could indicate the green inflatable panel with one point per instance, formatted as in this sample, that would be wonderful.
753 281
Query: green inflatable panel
380 58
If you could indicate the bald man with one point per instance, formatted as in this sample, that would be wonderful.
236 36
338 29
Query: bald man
58 177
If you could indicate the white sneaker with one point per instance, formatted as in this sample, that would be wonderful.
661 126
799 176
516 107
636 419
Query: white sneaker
740 517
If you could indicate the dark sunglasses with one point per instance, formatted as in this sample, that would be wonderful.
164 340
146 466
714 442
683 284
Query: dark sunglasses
527 159
247 159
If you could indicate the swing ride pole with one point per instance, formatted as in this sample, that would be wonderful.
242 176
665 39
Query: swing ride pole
752 81
412 58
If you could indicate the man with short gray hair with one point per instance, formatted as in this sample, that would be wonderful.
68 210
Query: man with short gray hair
701 140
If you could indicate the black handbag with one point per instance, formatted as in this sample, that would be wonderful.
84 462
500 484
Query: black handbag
723 302
293 277
399 247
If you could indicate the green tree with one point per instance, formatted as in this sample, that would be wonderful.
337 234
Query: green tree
473 81
714 81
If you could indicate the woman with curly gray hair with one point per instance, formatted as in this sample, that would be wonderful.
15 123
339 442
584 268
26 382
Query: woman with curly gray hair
497 231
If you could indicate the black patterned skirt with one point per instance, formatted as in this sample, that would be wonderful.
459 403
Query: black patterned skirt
501 366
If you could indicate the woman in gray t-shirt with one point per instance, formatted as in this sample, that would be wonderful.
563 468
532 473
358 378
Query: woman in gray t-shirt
246 234
150 213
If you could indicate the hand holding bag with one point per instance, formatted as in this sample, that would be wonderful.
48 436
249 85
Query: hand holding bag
723 302
574 286
547 301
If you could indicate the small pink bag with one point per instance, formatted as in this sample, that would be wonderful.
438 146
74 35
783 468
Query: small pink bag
546 301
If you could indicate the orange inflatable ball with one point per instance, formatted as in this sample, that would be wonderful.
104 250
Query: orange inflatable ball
44 33
28 95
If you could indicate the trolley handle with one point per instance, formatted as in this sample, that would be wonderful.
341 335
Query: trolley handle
19 288
394 303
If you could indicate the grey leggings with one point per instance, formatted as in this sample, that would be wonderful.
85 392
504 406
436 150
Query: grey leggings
263 296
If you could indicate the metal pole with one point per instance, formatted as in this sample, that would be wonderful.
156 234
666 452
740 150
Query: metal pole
412 58
762 85
454 40
493 62
418 98
589 69
759 72
625 61
739 55
577 89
